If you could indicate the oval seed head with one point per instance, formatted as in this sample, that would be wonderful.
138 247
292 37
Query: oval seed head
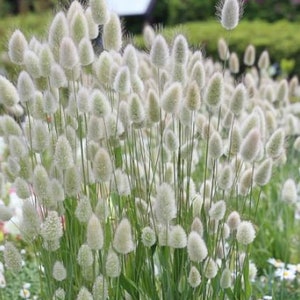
31 62
159 53
86 52
57 76
123 242
95 130
83 102
100 104
100 288
103 67
12 258
275 144
74 8
193 99
171 140
5 213
250 145
83 210
40 182
198 74
263 173
165 206
226 280
58 30
233 220
17 46
94 234
264 60
194 278
282 91
122 81
17 147
130 59
180 50
215 89
136 109
238 99
179 73
229 12
148 236
196 247
102 166
245 233
85 256
99 11
249 56
210 268
223 50
112 33
153 110
51 228
92 26
59 272
22 188
171 98
289 191
8 93
112 265
177 238
225 178
148 35
55 191
84 294
217 210
59 294
50 103
40 136
234 63
215 145
46 60
31 223
197 226
68 56
79 27
72 181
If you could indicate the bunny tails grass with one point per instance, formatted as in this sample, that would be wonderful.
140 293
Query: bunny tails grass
158 174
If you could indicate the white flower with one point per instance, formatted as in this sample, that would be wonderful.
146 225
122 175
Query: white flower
276 262
24 293
285 274
295 268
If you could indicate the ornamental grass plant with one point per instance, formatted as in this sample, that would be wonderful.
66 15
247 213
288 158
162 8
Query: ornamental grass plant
141 172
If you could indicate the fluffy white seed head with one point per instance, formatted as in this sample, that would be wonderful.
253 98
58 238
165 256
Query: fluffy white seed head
100 288
5 213
122 81
217 210
193 98
112 33
59 271
86 52
136 109
8 93
83 101
84 294
282 91
196 247
226 279
245 233
57 76
178 238
72 182
148 236
180 50
123 241
148 35
249 55
25 87
223 50
102 166
68 55
94 236
85 256
233 220
250 145
238 99
153 109
83 211
99 11
46 60
159 53
17 46
165 206
51 228
100 105
79 27
31 62
112 265
171 98
210 268
194 278
215 145
92 26
234 63
225 177
275 144
63 153
12 258
263 173
103 67
264 60
289 191
215 89
229 12
130 59
198 74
